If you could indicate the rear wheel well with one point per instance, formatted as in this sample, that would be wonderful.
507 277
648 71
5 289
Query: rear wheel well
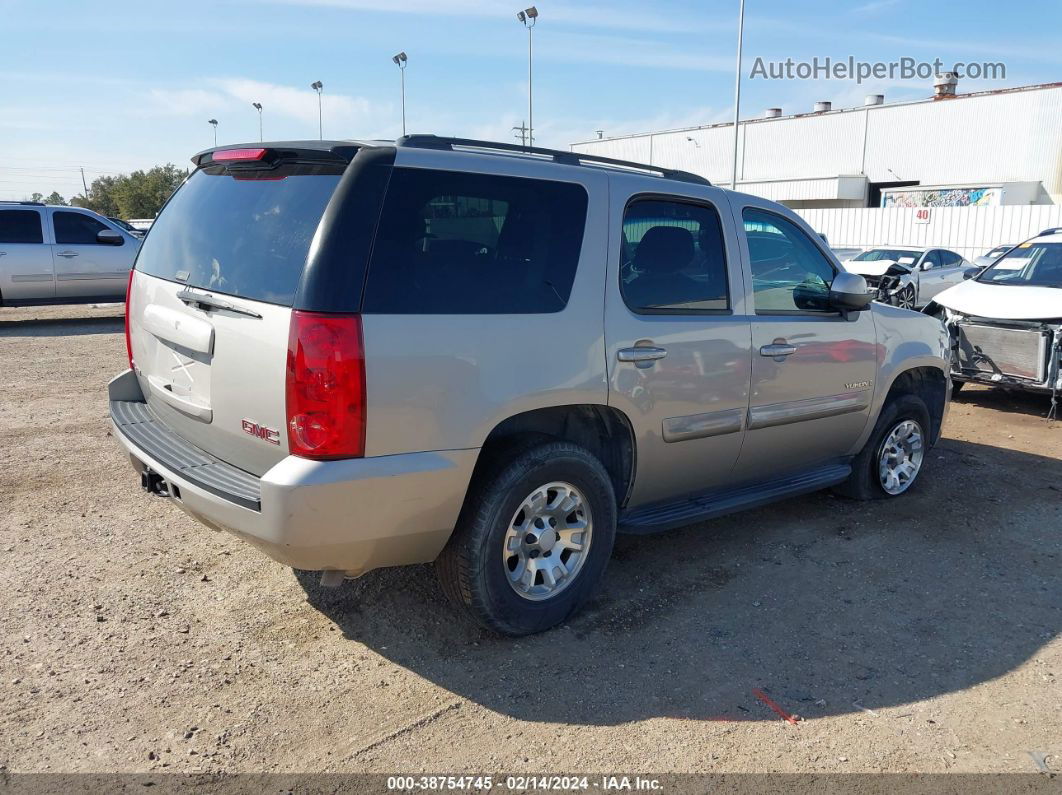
927 383
602 430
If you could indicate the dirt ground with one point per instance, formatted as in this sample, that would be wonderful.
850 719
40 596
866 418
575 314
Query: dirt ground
919 635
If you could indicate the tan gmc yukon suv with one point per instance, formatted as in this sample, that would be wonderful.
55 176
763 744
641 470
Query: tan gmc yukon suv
366 354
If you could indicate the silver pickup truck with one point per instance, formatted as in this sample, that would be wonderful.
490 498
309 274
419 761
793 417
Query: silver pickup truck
365 354
58 255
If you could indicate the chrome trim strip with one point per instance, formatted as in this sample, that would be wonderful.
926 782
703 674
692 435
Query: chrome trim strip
31 277
699 426
810 409
74 276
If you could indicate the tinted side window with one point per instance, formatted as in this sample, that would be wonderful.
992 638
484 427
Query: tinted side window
20 226
932 259
456 243
789 273
673 258
949 259
75 228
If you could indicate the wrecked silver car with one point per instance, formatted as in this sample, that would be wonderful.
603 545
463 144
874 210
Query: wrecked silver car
908 277
1006 323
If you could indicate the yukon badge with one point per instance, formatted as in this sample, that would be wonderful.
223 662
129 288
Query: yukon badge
859 385
260 431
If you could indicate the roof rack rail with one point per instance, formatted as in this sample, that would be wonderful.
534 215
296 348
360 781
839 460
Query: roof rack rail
25 203
558 155
1054 230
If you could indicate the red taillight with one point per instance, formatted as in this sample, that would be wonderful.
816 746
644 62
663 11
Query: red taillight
237 154
326 386
128 340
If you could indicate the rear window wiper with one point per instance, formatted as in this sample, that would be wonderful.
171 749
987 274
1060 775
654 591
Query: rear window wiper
204 301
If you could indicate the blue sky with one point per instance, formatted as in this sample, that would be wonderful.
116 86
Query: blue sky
118 85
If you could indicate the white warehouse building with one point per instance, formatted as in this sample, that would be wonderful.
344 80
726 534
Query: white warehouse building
991 148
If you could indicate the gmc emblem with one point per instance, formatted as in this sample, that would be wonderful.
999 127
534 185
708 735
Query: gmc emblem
261 431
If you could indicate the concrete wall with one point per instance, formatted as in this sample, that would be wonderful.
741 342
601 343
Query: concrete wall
971 231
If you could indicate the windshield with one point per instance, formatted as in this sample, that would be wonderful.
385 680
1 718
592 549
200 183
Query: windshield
1028 265
894 254
998 250
243 235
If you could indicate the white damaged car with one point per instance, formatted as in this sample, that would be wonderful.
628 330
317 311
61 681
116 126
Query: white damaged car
1006 323
908 277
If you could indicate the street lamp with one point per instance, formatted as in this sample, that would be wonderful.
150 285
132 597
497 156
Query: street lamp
317 85
258 107
400 62
525 15
214 123
737 93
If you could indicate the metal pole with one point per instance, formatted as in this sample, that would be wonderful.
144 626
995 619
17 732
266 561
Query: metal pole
403 71
737 93
260 136
320 117
530 100
215 136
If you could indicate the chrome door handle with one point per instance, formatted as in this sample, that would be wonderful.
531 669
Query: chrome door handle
67 254
777 349
641 354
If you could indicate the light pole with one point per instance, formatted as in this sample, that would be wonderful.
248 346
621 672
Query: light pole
214 123
737 93
400 61
258 107
532 14
317 85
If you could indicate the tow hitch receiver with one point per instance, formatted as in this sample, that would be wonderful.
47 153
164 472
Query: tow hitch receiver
152 483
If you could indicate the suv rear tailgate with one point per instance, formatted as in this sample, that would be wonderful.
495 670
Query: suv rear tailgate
211 300
215 377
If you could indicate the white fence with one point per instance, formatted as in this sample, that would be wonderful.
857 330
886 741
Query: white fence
970 231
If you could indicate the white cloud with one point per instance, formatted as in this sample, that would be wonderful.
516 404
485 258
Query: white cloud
350 114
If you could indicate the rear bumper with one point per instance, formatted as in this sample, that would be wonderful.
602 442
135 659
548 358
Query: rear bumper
352 515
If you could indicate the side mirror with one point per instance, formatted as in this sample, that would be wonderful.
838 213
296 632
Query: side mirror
969 273
849 292
927 265
109 237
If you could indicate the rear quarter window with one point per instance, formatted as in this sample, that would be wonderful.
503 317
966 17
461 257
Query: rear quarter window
459 243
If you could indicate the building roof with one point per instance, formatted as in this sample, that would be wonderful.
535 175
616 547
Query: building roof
834 112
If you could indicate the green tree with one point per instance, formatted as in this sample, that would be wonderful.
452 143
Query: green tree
100 196
140 194
55 198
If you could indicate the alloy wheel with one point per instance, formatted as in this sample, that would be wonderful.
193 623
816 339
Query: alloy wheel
901 457
547 541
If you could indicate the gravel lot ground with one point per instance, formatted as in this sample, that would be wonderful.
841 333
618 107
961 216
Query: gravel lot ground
922 635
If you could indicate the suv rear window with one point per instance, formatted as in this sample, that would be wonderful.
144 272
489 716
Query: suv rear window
457 243
245 235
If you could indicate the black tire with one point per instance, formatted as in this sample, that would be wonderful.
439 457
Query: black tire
471 568
864 483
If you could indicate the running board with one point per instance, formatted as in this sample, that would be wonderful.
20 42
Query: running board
661 516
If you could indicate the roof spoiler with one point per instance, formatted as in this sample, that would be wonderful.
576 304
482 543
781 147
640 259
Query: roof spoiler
1054 230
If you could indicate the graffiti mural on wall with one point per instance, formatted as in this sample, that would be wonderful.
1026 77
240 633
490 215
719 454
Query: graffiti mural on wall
948 197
